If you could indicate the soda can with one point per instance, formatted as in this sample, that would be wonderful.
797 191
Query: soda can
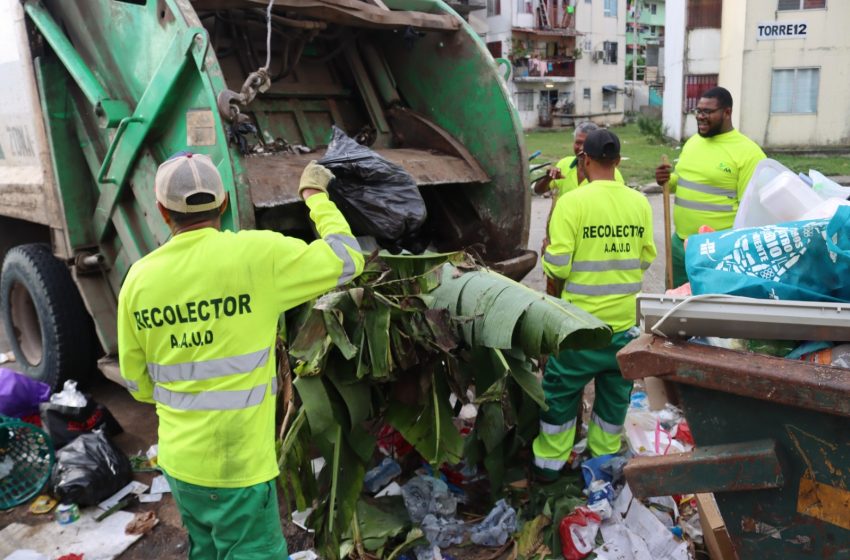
67 513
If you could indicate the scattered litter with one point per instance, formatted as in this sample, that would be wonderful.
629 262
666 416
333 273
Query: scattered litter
443 532
304 555
379 476
317 465
89 469
591 469
134 487
299 518
150 498
497 527
65 422
159 485
71 556
86 537
600 497
67 513
141 523
661 542
20 395
393 489
578 533
621 543
42 504
6 357
622 501
26 554
425 494
69 395
750 525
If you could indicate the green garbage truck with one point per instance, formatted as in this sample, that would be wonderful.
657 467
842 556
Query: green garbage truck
98 93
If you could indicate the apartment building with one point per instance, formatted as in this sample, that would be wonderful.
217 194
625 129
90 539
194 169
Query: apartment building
786 63
565 58
644 35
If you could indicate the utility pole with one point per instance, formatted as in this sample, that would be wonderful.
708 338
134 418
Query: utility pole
635 50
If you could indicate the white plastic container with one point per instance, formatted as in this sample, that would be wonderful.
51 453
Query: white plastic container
787 197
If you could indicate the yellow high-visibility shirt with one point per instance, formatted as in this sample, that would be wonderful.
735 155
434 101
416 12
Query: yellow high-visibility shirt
710 179
569 182
600 245
197 322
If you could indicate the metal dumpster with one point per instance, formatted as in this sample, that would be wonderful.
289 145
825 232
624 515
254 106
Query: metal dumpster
773 444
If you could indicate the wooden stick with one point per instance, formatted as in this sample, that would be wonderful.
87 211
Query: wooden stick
668 233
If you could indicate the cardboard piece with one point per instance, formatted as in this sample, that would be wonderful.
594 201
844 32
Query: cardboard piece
714 532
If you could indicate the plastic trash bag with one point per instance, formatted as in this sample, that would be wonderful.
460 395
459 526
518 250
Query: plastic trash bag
89 469
805 260
19 394
376 196
63 423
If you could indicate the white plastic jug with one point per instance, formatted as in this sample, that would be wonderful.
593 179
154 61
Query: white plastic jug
787 197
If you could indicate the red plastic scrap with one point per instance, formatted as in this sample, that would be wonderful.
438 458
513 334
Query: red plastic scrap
683 433
71 556
578 533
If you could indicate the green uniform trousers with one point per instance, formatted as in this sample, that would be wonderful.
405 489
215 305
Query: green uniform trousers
680 276
231 523
563 383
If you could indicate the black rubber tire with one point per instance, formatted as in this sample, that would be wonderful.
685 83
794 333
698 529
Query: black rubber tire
45 320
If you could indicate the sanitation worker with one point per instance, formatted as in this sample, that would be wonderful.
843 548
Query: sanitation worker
711 175
197 321
563 178
601 244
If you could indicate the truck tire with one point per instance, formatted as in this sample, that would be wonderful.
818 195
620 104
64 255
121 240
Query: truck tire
44 317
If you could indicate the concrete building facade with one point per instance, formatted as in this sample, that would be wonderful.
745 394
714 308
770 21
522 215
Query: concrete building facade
786 63
566 58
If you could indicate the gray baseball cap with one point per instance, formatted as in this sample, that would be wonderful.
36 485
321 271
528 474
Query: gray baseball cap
186 174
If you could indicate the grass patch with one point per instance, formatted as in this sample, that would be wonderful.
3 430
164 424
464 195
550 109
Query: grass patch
641 154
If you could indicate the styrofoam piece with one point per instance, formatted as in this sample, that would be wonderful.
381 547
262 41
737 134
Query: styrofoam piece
134 487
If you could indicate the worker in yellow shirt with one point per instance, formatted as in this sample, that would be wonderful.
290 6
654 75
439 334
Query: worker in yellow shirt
711 175
563 178
197 323
601 244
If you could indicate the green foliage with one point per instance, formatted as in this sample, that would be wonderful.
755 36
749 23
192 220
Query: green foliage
651 128
392 349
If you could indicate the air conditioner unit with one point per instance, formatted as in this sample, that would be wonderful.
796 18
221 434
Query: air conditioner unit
598 55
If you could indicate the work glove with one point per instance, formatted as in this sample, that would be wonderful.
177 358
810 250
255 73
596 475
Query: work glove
315 176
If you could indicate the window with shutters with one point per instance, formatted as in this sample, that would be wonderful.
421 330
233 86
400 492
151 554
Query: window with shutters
610 50
704 14
611 8
801 4
695 85
795 90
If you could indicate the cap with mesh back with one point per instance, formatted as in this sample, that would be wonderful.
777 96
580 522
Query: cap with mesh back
185 175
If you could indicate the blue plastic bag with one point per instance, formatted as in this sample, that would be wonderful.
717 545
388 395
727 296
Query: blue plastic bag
807 260
20 395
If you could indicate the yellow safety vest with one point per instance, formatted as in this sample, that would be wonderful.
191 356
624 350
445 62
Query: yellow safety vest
570 177
601 243
197 321
710 179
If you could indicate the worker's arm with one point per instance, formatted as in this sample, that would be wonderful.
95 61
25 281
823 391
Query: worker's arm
131 357
648 251
545 183
664 174
557 260
746 169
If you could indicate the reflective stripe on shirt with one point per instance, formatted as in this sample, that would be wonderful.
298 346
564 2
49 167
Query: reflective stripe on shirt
213 400
338 243
703 205
707 189
604 266
208 369
557 260
603 289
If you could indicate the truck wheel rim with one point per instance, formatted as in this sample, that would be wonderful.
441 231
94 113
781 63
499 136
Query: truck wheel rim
26 324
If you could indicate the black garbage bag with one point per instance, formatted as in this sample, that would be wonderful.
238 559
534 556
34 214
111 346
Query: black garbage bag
89 469
377 197
64 423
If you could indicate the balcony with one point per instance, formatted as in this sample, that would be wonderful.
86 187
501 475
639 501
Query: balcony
533 70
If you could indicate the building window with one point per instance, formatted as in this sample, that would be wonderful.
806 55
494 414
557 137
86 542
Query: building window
801 4
704 14
653 9
586 93
795 90
610 50
695 85
609 100
524 7
494 7
611 8
525 100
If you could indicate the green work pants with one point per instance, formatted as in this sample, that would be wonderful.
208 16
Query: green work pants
680 276
563 384
230 523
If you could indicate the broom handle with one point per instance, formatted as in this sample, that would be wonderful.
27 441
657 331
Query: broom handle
668 240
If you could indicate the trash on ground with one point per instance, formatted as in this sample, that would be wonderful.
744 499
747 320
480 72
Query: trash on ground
69 396
661 542
578 533
381 475
26 554
150 498
497 527
65 422
20 395
86 537
132 487
159 485
6 357
426 494
141 523
42 504
392 489
299 518
89 469
443 532
304 555
67 513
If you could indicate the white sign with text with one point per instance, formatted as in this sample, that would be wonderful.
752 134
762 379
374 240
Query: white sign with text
772 30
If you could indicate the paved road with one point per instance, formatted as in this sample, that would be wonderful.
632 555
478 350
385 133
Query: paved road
653 281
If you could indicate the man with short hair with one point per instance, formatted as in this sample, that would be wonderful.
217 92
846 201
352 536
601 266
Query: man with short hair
711 175
601 244
197 324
